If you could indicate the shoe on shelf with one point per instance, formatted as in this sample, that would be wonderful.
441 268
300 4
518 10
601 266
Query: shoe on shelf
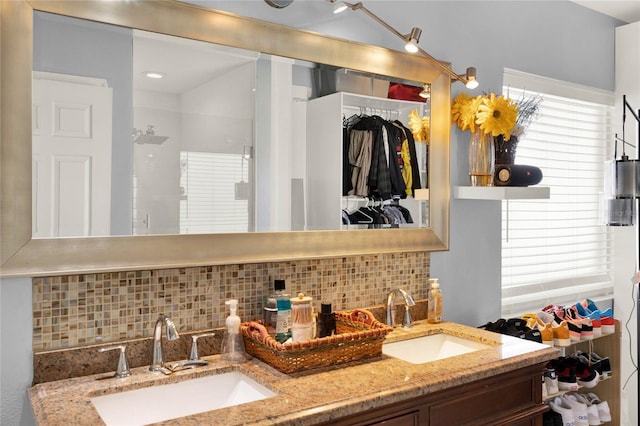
550 381
605 317
604 362
592 410
561 334
578 330
586 375
546 331
566 374
518 323
580 415
603 407
502 326
584 358
586 324
544 316
561 407
533 335
590 306
551 418
580 312
607 322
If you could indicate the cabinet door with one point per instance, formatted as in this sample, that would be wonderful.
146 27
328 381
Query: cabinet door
503 399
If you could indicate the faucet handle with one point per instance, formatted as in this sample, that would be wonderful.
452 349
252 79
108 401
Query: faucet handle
194 345
122 370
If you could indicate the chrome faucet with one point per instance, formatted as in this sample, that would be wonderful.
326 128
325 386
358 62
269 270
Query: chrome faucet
391 308
157 362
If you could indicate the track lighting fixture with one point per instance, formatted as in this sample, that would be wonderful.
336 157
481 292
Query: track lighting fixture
472 82
469 79
426 92
412 40
340 7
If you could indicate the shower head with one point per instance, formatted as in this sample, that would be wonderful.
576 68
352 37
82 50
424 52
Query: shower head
148 137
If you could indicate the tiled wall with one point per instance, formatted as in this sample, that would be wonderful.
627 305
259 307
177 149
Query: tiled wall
76 310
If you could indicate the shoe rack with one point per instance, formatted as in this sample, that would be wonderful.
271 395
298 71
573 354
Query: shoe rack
607 345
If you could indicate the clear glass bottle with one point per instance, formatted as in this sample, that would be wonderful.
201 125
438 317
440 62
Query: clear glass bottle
434 308
283 315
270 310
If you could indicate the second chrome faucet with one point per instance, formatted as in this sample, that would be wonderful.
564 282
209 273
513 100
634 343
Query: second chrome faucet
391 308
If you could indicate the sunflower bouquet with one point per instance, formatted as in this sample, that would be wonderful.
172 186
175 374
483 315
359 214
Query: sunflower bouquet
492 115
419 127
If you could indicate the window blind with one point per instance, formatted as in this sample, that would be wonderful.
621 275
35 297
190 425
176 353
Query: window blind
208 202
558 251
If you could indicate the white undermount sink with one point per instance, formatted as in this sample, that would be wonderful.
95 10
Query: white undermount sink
431 348
171 401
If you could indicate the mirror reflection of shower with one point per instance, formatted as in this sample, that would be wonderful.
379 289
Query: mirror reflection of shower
148 137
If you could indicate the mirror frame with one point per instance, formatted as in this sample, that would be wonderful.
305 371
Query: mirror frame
20 255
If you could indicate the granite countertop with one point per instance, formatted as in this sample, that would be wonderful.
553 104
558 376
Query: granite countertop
308 397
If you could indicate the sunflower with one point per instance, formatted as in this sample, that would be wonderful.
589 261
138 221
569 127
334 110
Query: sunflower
464 110
497 115
419 126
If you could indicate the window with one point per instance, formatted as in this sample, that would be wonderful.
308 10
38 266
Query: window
214 195
558 251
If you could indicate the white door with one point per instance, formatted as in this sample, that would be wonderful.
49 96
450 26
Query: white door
71 156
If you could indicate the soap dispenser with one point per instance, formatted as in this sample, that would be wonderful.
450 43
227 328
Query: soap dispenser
434 306
232 342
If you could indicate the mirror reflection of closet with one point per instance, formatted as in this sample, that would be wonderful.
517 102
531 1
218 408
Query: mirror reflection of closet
383 177
194 137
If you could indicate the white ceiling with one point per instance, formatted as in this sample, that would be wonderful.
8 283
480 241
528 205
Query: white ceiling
192 63
627 11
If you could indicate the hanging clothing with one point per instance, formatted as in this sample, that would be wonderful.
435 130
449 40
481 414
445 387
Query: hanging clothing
360 146
380 161
415 166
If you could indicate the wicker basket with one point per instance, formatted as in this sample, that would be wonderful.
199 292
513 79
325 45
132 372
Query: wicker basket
358 335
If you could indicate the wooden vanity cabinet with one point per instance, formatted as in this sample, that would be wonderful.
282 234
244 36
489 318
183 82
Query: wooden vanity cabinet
513 398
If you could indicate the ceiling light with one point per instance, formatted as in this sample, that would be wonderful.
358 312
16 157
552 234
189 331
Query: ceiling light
412 40
472 82
154 74
278 4
426 92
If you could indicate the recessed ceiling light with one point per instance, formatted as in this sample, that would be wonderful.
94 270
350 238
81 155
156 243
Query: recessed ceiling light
154 74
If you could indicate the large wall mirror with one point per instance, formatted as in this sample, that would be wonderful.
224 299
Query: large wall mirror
235 114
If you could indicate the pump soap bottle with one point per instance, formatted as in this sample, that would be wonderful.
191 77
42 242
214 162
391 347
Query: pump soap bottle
232 341
434 308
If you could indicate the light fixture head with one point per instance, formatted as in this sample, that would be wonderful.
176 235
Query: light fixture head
426 91
412 40
340 7
472 81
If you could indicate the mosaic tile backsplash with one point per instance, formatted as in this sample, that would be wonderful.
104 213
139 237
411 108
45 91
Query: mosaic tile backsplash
77 310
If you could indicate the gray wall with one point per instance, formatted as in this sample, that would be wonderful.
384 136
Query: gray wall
555 39
99 51
16 356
